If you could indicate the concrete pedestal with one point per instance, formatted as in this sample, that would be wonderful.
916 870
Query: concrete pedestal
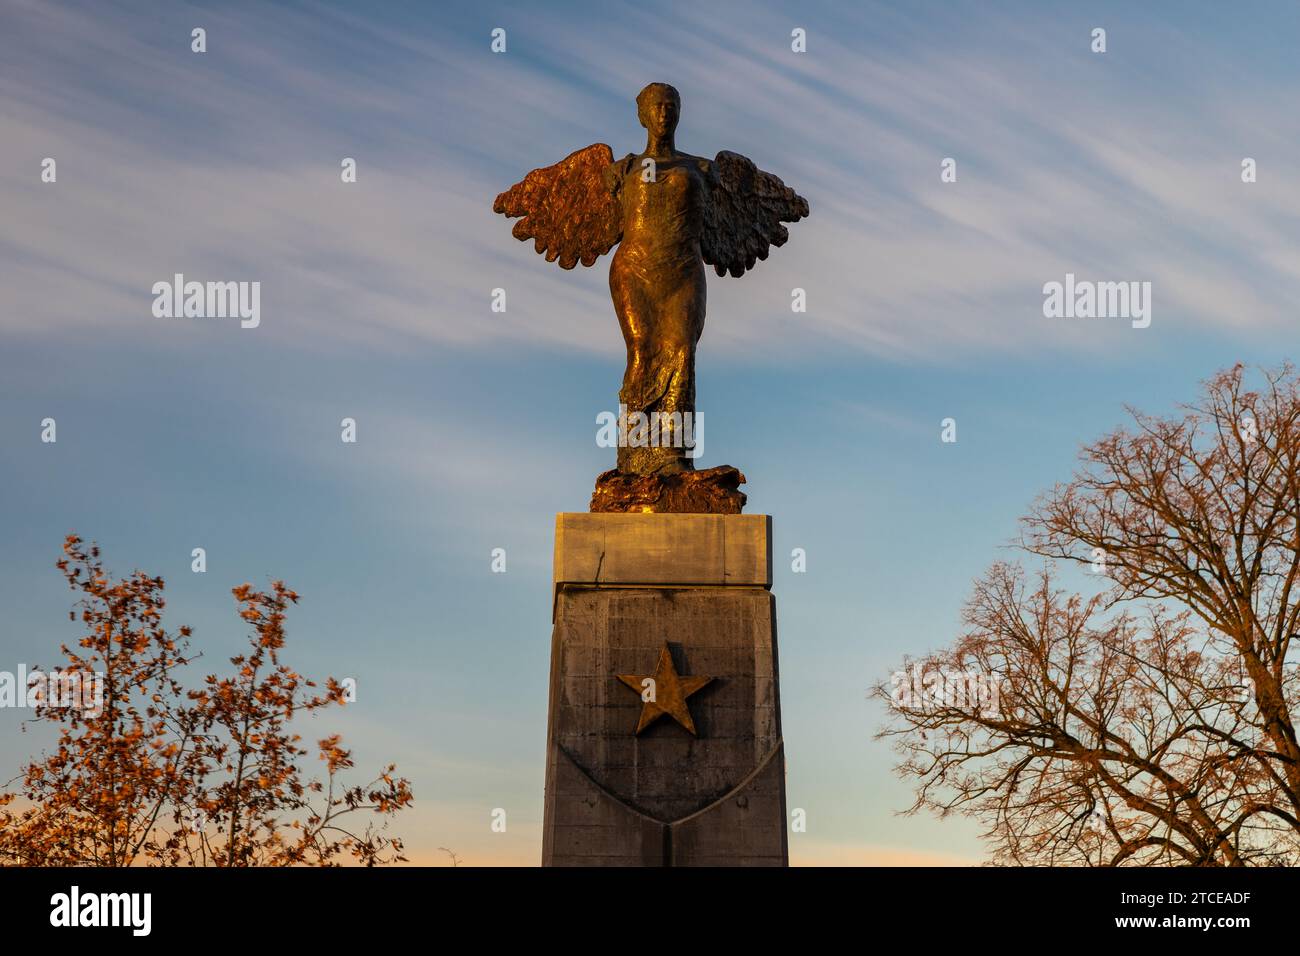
626 585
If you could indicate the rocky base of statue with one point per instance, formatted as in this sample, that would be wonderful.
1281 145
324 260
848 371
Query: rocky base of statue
711 491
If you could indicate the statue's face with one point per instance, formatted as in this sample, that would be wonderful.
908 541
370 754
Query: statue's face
658 112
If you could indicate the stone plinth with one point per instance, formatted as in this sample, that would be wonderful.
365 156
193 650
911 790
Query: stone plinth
626 585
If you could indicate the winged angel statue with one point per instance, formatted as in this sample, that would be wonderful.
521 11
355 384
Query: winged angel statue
669 213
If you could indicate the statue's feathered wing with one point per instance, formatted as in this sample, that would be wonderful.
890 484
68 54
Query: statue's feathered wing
743 218
568 209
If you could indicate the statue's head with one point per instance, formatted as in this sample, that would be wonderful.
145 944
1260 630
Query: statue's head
658 107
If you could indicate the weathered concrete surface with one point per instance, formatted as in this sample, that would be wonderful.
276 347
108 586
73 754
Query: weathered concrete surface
667 549
664 797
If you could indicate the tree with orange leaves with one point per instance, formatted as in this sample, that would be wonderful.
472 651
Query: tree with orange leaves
153 774
254 758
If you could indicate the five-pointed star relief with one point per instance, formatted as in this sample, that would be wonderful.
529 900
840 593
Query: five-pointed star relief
670 692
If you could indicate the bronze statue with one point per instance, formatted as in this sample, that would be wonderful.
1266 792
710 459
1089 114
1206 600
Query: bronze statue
669 213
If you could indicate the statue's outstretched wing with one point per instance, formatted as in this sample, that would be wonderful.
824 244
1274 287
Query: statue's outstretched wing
744 215
568 209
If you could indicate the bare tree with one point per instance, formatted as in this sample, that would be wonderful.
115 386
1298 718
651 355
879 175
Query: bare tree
1151 724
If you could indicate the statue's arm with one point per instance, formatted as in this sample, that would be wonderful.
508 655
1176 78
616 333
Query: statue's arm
615 173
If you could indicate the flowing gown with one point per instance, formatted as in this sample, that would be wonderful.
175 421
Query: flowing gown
657 283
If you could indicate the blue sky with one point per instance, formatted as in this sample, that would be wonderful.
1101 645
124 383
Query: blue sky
475 428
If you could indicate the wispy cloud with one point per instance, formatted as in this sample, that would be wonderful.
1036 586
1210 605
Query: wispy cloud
225 165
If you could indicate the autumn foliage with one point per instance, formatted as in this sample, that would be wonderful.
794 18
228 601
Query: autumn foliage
162 775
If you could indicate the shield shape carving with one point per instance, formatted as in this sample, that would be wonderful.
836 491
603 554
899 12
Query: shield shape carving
664 772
